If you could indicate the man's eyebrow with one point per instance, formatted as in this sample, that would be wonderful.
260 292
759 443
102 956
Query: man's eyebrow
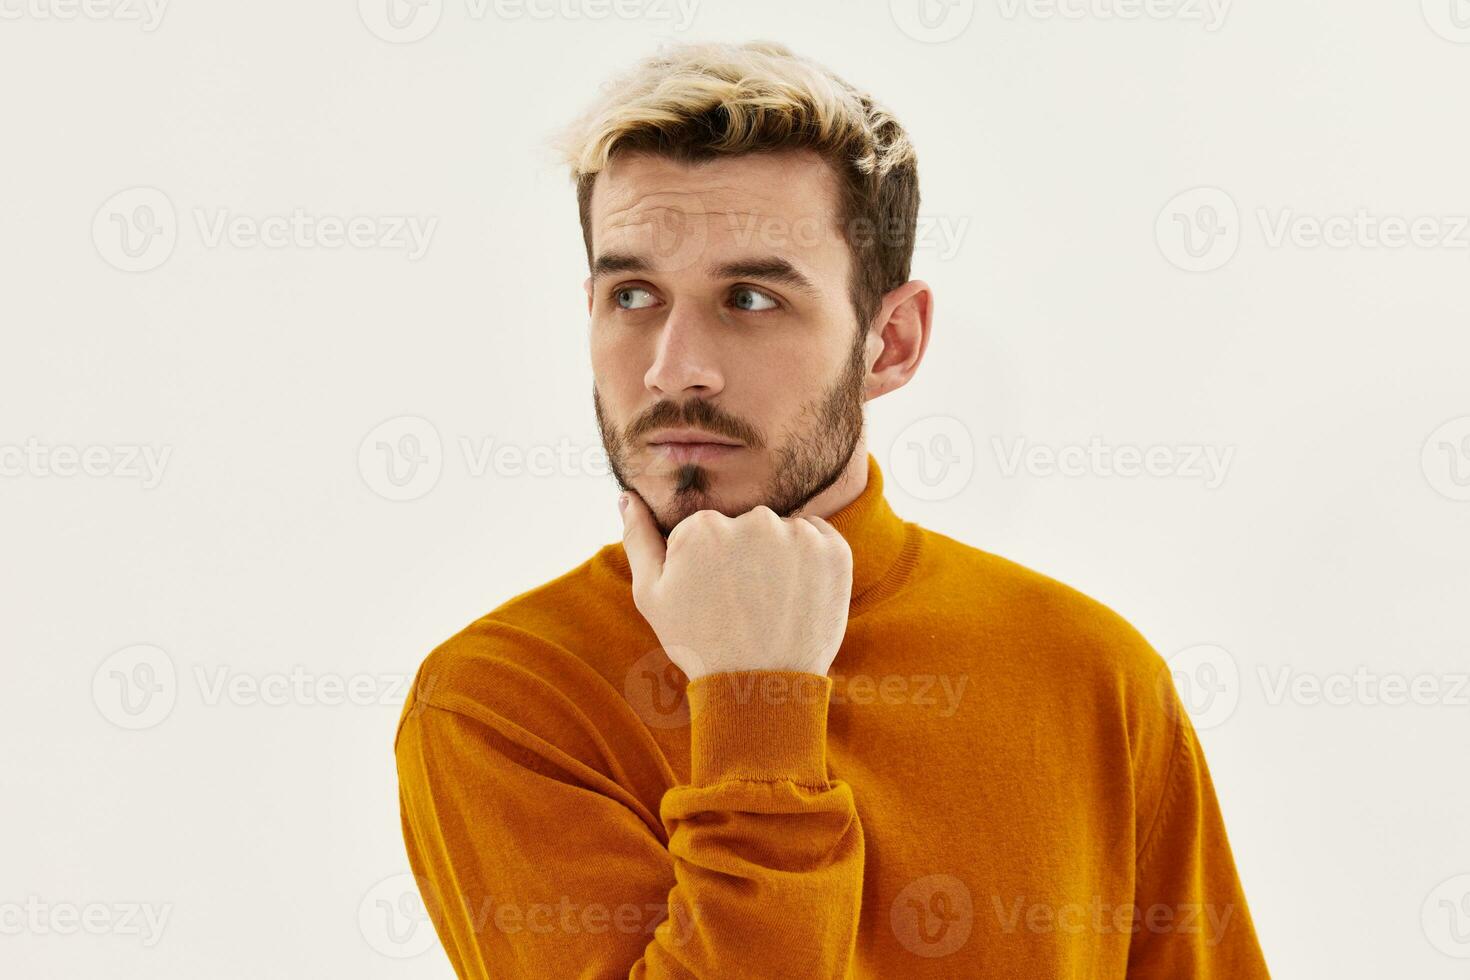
611 263
771 269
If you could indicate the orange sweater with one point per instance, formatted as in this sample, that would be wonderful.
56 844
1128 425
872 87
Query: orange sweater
995 780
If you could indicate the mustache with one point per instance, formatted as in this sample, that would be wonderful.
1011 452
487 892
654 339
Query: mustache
694 414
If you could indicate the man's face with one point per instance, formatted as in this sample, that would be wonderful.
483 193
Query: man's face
719 303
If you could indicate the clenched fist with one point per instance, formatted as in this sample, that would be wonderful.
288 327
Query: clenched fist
754 592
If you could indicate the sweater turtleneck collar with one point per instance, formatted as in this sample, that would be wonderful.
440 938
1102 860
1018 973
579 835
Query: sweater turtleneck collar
884 546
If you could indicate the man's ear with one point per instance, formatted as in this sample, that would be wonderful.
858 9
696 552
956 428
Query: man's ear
906 314
587 288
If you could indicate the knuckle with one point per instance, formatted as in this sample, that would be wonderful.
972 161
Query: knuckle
706 522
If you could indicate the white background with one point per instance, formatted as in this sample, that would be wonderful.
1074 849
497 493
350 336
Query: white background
1054 145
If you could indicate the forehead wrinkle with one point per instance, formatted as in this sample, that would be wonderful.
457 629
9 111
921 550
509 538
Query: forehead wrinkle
638 215
629 208
762 205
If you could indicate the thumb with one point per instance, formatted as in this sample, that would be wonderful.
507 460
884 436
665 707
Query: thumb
642 541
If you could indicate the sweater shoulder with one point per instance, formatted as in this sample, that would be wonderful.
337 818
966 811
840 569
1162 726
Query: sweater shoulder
1072 653
529 655
1048 617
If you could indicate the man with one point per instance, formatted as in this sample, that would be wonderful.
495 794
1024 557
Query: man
777 730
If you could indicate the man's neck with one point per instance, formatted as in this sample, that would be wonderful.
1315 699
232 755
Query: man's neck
845 489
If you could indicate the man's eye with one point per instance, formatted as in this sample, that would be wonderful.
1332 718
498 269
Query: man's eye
628 298
751 299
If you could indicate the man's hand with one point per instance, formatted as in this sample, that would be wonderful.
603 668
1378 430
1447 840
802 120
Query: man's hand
754 592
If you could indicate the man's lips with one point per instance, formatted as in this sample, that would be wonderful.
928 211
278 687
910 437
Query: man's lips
687 435
690 452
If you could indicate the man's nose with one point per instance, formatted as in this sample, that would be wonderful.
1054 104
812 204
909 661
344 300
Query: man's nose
686 357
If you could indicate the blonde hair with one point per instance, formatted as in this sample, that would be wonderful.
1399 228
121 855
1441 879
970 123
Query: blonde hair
694 101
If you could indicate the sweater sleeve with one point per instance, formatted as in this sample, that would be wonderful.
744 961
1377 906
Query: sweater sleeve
1190 917
529 868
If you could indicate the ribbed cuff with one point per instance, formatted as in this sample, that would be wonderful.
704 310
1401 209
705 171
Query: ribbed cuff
759 724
